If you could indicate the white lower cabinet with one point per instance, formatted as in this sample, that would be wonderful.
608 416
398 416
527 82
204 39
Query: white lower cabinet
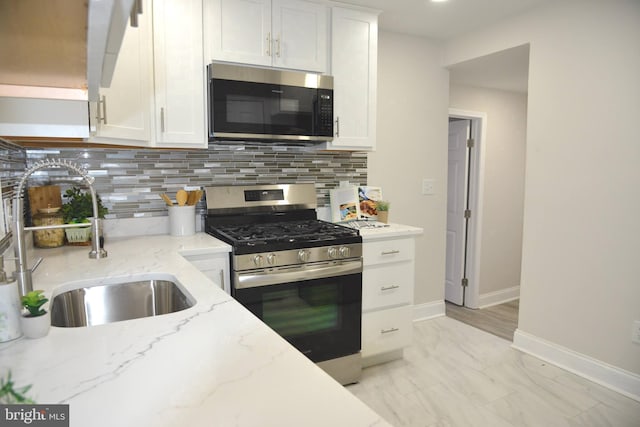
387 298
214 266
386 331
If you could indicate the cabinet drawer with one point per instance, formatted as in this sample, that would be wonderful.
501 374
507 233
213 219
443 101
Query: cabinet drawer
388 251
387 285
386 330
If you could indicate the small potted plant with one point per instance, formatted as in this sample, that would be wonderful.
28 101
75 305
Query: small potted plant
10 394
382 207
35 323
77 209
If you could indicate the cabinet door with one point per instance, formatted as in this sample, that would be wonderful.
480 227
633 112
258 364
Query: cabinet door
179 73
125 109
239 31
215 267
300 35
354 46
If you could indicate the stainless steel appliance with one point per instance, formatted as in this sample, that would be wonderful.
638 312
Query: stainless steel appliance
299 275
250 103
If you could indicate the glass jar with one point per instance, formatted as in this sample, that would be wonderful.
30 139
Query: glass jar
48 238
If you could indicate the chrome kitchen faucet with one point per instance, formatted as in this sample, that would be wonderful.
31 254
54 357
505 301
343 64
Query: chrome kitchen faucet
23 273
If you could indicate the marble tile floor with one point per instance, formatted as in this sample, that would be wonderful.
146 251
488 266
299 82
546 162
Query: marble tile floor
457 375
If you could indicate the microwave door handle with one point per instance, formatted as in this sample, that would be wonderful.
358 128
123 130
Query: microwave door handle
337 126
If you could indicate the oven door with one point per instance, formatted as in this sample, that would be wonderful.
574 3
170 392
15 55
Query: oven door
320 315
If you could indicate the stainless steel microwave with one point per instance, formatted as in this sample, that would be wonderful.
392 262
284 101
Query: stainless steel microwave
251 103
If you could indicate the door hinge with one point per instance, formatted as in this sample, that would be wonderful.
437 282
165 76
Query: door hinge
471 142
465 282
467 213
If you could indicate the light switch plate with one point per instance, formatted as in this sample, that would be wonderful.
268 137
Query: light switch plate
428 187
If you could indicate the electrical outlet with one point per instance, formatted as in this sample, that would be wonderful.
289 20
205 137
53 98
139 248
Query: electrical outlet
428 187
635 335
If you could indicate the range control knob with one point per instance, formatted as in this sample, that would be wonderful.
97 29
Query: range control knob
332 252
271 258
304 255
345 251
258 260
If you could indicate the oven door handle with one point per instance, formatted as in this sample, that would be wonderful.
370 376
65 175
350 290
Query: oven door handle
279 276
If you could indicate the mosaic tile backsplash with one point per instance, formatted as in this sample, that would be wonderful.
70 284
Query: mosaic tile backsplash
129 181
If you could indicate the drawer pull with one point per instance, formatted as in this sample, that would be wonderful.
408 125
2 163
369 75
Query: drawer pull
387 331
388 288
393 252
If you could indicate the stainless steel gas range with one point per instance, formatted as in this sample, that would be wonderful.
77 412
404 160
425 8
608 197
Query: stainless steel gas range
299 275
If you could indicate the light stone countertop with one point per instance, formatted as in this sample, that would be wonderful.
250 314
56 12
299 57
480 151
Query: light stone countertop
392 231
213 364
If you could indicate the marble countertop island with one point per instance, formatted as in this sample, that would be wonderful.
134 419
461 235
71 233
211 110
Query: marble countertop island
213 364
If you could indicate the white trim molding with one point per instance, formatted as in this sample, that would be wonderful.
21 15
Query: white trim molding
428 310
499 297
619 380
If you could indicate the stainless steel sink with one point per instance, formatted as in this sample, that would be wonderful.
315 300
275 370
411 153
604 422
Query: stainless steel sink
97 305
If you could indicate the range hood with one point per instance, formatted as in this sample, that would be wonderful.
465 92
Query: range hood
56 53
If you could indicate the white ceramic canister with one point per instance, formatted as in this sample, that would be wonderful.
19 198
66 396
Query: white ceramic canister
9 312
182 220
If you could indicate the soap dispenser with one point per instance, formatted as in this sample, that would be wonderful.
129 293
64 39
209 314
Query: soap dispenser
9 307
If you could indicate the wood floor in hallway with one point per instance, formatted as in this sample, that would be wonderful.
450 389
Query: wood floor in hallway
500 320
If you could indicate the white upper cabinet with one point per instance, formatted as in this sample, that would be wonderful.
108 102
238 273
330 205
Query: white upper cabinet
354 53
238 31
300 35
179 73
280 33
124 109
157 94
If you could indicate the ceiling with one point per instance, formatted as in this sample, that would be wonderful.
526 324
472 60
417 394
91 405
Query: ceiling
443 20
506 70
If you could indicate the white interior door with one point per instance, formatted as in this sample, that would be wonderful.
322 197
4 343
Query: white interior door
456 205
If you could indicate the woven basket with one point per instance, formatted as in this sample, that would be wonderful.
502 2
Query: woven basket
78 235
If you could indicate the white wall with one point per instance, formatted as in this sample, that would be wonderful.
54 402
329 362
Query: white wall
503 196
579 287
413 92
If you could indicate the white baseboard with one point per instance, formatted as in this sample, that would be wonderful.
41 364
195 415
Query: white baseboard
428 310
619 380
499 297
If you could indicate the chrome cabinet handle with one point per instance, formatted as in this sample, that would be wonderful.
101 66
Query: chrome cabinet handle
135 11
388 288
337 127
278 47
162 119
388 331
222 278
269 44
104 109
102 112
393 252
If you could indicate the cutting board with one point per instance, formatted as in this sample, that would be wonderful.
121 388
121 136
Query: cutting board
44 197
